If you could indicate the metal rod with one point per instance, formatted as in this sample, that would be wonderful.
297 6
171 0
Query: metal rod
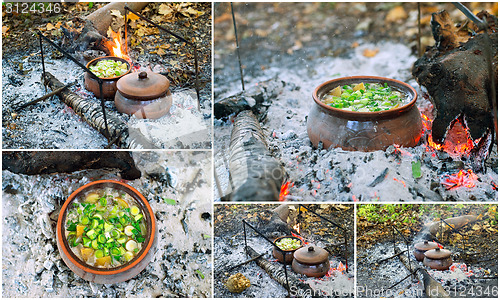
45 96
108 137
399 281
409 260
479 23
346 254
286 272
196 74
321 217
126 31
419 32
43 60
245 235
237 47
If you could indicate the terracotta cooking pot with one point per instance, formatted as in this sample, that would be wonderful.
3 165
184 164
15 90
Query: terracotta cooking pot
422 247
311 261
109 84
364 131
439 259
288 254
109 275
144 95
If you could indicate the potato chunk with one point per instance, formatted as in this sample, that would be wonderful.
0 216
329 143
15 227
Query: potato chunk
87 253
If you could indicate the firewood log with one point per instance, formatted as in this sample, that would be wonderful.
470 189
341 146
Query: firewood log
275 270
456 222
458 75
49 162
257 98
256 175
432 288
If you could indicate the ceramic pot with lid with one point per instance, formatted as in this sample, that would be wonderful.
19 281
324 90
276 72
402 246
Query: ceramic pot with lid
439 259
108 84
311 261
422 247
287 254
145 95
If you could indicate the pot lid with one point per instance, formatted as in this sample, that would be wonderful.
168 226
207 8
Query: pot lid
311 255
438 253
426 245
143 85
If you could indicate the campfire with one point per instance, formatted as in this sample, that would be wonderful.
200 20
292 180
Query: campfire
153 115
272 271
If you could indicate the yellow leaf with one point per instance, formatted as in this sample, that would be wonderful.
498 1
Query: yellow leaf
370 52
164 9
161 52
50 26
132 17
5 29
58 25
192 11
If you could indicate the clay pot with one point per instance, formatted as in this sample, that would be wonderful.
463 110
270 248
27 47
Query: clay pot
311 261
364 131
110 275
144 95
109 84
439 259
422 247
287 254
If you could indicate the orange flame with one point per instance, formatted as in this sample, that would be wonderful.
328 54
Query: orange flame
285 190
462 178
115 45
296 227
439 245
299 237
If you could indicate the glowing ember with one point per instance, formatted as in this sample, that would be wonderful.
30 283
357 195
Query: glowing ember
296 227
400 181
462 178
115 45
398 150
285 190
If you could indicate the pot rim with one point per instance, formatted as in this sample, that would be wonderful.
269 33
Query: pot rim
288 236
356 114
113 58
75 260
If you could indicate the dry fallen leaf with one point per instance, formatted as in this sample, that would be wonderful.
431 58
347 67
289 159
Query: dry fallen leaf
161 52
164 9
370 52
4 30
50 26
116 13
355 45
396 14
132 17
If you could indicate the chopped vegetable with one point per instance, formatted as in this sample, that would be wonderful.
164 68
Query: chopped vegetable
104 226
288 244
369 97
107 68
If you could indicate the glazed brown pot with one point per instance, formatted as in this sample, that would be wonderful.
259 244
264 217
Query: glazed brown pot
311 261
288 255
109 275
364 131
109 84
145 95
422 247
438 259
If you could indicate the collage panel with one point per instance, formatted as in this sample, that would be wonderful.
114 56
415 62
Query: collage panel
280 251
112 224
427 250
95 75
340 102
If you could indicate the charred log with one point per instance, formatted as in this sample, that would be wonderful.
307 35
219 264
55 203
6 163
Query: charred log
91 112
458 73
257 99
456 222
256 174
275 270
432 288
49 162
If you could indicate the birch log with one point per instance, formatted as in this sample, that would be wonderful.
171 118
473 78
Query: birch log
256 175
456 222
275 270
432 288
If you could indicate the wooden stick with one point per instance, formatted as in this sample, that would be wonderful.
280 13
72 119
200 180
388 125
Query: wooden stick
55 92
245 262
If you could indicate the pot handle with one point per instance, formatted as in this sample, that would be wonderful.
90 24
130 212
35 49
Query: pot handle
143 75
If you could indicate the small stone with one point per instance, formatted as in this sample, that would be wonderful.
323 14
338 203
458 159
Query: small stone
63 277
237 283
47 281
48 264
49 248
